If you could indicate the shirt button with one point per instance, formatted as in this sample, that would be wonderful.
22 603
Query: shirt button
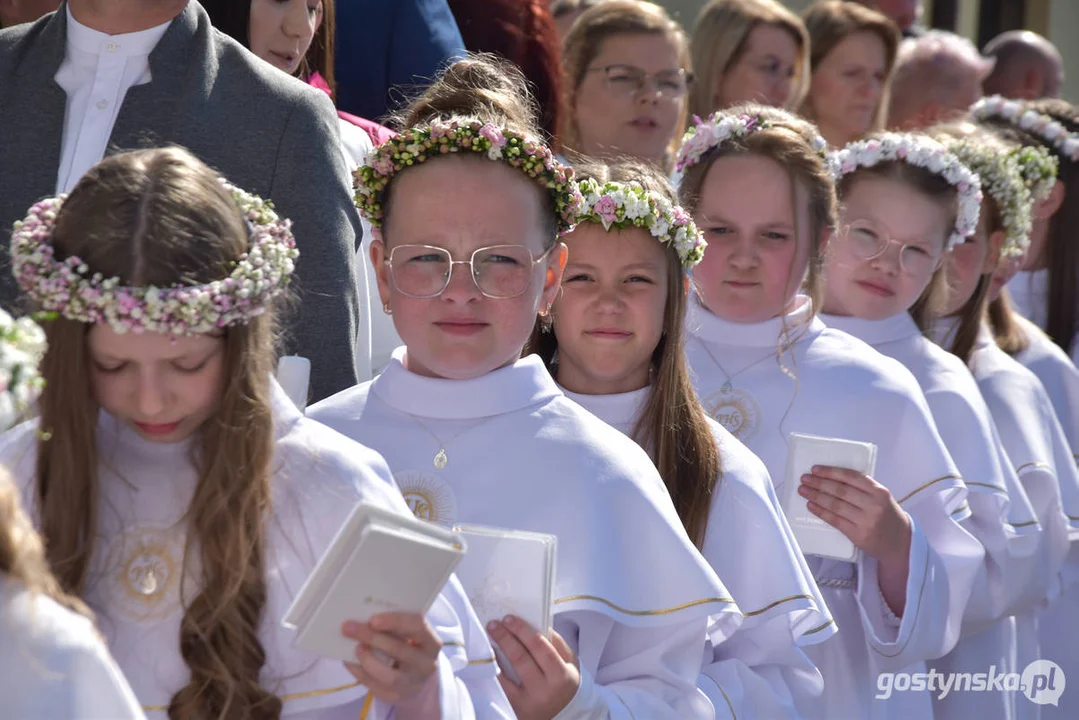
102 104
112 47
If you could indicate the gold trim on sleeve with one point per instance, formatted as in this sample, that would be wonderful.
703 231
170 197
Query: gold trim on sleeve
1029 465
484 661
642 613
367 703
819 628
917 490
987 485
723 693
961 508
1028 523
917 609
766 608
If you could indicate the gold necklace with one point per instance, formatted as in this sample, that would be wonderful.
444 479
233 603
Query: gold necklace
441 459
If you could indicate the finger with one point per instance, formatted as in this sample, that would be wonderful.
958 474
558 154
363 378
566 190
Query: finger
539 647
836 520
833 503
517 655
852 478
514 692
410 626
382 675
563 649
410 658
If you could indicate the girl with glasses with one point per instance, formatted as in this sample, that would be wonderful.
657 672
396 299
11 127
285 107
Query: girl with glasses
907 207
469 207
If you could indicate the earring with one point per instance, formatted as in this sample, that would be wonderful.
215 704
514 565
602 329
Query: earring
546 312
386 308
546 322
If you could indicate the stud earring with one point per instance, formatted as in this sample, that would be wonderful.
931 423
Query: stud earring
386 308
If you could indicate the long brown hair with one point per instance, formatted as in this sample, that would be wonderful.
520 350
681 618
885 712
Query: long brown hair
1061 253
161 217
789 141
22 554
673 426
586 38
831 22
720 37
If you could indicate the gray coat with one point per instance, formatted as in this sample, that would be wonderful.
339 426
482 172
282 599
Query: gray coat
266 132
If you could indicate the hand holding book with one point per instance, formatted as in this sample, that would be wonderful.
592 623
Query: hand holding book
396 658
547 669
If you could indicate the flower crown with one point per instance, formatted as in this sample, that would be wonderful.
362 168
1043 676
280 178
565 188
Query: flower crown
22 345
924 152
625 205
415 145
1039 168
706 135
1002 177
1017 114
70 288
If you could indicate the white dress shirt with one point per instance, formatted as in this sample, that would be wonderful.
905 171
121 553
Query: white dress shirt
97 72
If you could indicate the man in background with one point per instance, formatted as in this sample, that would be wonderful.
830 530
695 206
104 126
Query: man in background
1028 66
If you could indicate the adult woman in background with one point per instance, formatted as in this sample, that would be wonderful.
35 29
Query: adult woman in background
748 51
852 55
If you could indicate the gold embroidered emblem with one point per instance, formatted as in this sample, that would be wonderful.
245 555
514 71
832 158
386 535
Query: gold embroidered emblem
428 497
145 565
736 410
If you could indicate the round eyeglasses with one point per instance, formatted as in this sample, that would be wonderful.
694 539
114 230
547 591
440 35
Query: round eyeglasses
500 272
868 241
628 80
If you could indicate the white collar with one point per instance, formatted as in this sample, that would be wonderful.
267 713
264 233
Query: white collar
523 384
900 326
798 323
618 410
94 42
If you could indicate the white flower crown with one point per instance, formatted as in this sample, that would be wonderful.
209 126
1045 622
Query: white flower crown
624 205
1001 177
70 288
919 151
996 107
706 135
22 345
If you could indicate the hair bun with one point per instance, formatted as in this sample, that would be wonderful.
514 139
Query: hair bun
480 87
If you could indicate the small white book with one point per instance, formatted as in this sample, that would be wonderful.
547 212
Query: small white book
379 562
815 536
509 572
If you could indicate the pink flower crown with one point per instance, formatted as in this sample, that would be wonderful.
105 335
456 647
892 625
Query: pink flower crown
415 145
720 127
69 287
1043 126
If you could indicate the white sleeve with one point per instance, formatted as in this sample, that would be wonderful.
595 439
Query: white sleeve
944 560
759 672
100 687
630 673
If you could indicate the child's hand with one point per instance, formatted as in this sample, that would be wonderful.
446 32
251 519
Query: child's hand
860 508
396 655
547 669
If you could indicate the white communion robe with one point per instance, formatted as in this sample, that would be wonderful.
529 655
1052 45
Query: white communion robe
1002 517
1029 292
633 597
833 385
1035 442
54 665
759 671
138 582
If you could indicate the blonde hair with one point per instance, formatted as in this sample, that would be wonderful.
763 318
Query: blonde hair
720 36
160 217
22 554
673 425
585 41
831 22
788 140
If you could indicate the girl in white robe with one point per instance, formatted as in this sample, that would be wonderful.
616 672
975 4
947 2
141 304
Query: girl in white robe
1029 429
756 182
476 434
897 221
615 337
179 491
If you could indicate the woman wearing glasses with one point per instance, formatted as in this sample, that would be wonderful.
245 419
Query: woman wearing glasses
466 252
628 70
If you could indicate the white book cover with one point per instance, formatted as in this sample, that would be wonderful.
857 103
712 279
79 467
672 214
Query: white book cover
816 537
379 561
509 572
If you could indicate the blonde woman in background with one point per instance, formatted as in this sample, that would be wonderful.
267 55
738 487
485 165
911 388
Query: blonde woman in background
628 71
852 56
748 51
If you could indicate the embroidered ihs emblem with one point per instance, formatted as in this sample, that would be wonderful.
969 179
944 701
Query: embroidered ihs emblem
144 567
736 410
428 497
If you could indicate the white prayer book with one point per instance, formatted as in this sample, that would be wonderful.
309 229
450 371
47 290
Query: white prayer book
509 572
379 562
815 536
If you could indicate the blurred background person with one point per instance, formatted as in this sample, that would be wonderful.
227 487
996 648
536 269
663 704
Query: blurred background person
852 56
748 51
1028 67
16 12
565 12
523 32
938 76
906 14
628 70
